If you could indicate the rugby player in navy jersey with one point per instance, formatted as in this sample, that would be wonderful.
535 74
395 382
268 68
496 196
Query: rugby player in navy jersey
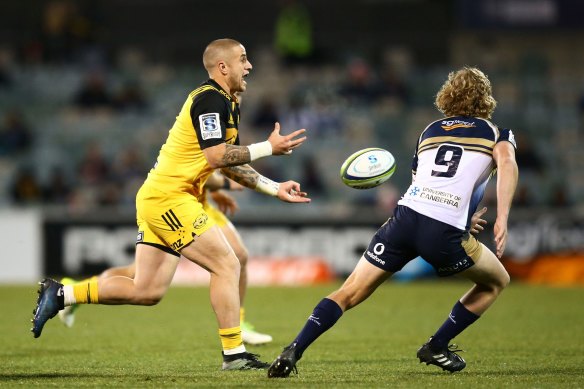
455 157
171 219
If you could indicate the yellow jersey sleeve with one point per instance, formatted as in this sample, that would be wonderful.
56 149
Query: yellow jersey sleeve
208 117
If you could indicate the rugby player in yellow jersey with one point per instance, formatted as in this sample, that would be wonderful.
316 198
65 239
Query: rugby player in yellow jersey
225 205
171 219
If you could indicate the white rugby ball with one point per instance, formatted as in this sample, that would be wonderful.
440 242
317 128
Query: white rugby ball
368 168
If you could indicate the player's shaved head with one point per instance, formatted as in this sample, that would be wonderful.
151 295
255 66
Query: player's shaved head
218 50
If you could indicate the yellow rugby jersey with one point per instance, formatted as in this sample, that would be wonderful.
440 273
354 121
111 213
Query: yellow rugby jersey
208 117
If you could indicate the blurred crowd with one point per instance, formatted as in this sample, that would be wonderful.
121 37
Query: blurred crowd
80 127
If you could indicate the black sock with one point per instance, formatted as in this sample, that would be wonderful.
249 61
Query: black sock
324 316
457 321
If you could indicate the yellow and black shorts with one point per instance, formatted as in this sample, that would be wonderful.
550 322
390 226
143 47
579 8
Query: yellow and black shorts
170 222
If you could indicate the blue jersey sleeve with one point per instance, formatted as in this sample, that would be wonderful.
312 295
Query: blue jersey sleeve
506 134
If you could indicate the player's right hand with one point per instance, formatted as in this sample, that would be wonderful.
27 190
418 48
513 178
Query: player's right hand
289 192
285 144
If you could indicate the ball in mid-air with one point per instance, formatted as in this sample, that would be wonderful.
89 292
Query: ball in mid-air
368 168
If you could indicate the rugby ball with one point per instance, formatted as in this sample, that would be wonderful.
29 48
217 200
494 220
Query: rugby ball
368 168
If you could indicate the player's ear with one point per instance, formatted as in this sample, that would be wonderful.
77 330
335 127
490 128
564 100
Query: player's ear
222 67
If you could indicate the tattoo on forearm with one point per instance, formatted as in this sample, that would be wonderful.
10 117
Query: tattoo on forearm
236 155
242 174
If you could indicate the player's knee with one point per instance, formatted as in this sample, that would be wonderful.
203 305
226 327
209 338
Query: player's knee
152 298
242 255
500 282
504 280
228 265
151 295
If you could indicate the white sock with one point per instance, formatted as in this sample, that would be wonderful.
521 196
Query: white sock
237 350
69 295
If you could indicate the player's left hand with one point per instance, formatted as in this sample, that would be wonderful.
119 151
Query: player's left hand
476 223
290 192
500 230
225 202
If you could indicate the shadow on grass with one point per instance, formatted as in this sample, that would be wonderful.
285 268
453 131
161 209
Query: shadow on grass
81 375
21 376
528 371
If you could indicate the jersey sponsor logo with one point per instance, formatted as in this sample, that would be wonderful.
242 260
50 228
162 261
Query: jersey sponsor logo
374 256
414 191
438 196
379 248
448 125
455 268
224 94
177 245
210 126
200 221
430 195
140 236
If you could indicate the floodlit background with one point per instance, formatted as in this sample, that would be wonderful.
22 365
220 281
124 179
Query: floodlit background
89 89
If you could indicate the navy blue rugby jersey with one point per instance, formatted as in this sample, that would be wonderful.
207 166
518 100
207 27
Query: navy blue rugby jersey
452 165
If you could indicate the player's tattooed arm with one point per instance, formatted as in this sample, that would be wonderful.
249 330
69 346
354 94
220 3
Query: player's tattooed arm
236 155
242 174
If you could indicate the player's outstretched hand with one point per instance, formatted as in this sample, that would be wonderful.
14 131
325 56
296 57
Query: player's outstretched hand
476 223
285 144
289 192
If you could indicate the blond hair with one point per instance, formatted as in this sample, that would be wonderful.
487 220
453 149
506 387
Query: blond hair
467 92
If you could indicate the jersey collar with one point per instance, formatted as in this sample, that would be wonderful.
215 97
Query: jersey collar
216 85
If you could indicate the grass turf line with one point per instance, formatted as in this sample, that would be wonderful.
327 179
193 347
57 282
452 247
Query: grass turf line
532 337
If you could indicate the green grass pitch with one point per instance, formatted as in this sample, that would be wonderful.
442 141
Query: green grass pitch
533 337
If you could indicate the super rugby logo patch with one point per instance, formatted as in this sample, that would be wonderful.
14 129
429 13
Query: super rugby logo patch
210 126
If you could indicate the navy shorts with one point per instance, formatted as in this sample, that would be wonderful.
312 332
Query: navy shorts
409 234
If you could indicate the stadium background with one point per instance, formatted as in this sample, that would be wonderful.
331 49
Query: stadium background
89 89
